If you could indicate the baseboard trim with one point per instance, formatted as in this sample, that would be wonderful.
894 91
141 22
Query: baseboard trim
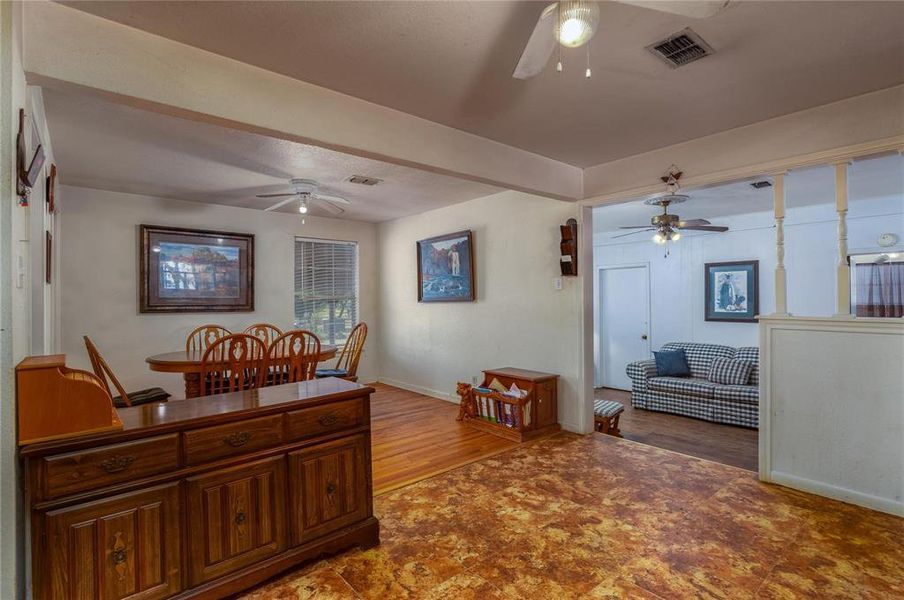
819 488
419 389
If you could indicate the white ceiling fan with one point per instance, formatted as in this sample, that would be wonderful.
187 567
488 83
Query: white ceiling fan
305 191
573 23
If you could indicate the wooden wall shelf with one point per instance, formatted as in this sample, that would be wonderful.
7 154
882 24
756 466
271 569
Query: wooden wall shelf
569 248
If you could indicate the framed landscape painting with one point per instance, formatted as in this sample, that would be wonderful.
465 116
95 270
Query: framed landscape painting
732 291
445 268
192 270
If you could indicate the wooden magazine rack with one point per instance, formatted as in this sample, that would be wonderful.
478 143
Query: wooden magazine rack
518 419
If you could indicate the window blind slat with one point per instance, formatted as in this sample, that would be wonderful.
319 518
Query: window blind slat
326 288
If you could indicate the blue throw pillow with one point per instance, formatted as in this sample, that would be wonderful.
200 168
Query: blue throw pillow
672 363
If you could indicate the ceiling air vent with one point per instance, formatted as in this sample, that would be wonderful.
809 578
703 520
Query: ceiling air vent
761 184
363 180
681 48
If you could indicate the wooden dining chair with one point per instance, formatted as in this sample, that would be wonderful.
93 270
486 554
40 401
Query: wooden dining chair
201 338
233 363
123 399
347 365
293 357
264 332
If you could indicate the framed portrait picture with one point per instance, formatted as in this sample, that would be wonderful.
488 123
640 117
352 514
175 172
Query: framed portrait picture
445 268
193 270
732 291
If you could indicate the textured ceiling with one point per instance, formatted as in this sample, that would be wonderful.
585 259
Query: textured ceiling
451 62
868 179
108 146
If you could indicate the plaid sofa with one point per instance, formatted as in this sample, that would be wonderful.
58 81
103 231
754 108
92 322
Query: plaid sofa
696 396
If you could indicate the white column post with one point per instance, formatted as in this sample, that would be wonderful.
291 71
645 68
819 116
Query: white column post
843 277
781 291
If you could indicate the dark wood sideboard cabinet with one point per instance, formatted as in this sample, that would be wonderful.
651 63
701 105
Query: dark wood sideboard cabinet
202 498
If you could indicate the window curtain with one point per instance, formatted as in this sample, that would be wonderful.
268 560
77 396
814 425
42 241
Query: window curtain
880 290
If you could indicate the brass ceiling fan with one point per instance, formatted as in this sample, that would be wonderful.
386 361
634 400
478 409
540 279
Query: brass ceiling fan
668 226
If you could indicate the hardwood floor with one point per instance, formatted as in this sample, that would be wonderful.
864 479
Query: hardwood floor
726 444
416 437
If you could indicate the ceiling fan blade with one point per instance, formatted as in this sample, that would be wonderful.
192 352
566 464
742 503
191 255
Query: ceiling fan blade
336 210
539 46
281 203
635 227
691 222
695 9
335 199
633 232
275 195
704 228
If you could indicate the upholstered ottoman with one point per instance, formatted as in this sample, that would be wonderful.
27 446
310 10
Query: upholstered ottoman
605 416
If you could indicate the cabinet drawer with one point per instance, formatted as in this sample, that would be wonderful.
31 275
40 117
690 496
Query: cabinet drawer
99 467
310 422
212 443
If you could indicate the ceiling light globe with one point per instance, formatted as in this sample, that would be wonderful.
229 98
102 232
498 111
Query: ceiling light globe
657 238
577 22
675 236
303 208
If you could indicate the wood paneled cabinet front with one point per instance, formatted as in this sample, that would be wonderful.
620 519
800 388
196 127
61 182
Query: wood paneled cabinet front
126 546
238 517
202 498
328 486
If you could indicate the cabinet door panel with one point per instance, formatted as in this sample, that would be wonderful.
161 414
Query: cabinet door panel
238 517
122 547
327 487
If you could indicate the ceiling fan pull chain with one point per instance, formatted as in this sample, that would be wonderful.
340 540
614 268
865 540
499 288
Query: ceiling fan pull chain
587 72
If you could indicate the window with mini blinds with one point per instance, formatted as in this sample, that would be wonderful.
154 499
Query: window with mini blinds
326 288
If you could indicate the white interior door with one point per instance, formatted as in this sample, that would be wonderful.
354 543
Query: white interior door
624 322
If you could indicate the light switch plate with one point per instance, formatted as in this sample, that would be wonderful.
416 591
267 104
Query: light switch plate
557 283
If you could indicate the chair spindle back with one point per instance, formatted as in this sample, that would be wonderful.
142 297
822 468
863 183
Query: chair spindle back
233 363
103 371
201 338
293 357
351 352
264 332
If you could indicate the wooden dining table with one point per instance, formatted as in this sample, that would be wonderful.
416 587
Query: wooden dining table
189 364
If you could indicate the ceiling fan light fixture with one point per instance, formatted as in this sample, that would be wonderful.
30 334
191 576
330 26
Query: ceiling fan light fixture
658 238
303 207
674 236
577 22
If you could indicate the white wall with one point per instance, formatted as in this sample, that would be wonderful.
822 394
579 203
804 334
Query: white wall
518 319
806 137
99 278
810 260
832 411
24 301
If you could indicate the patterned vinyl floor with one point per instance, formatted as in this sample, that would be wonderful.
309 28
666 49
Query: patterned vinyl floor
599 517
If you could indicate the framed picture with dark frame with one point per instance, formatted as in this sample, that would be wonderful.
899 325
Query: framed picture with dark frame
195 270
445 268
732 291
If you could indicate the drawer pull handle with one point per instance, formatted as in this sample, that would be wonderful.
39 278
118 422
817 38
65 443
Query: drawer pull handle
328 419
239 438
239 517
119 556
117 464
330 487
